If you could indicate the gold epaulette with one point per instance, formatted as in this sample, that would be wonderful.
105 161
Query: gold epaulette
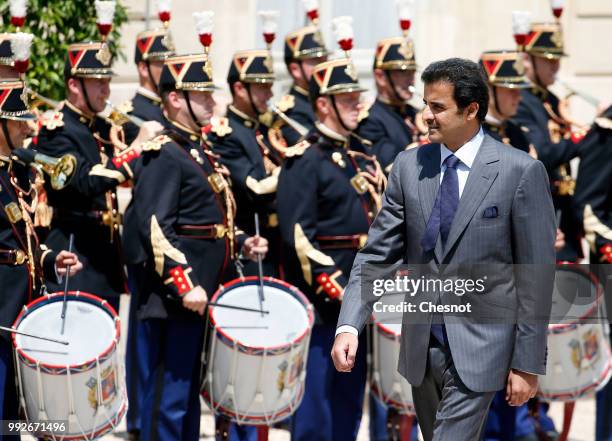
155 144
285 103
125 107
364 112
604 123
297 150
52 119
220 126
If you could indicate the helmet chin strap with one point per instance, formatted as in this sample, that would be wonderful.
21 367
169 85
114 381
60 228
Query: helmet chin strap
155 85
191 112
496 102
340 120
393 86
7 135
251 102
86 96
538 81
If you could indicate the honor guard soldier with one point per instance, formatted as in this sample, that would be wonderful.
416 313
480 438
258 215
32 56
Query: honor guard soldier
304 49
240 139
152 48
327 198
506 77
87 207
186 209
24 262
593 205
505 72
547 130
390 121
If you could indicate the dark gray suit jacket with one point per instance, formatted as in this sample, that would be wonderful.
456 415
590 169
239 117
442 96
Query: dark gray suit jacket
523 232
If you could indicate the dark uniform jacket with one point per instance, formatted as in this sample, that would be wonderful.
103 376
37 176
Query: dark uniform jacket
323 219
593 199
145 108
296 105
538 112
508 133
253 166
179 212
385 127
18 286
85 207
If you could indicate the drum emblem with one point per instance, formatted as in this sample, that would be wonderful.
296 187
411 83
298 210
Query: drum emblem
297 366
108 389
585 354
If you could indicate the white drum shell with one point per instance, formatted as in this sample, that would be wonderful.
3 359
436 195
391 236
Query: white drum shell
91 398
257 386
387 384
578 363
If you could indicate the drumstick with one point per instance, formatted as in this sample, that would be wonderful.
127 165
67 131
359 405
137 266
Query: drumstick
240 308
65 301
260 289
15 331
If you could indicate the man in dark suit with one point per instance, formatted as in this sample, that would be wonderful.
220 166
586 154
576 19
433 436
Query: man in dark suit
465 199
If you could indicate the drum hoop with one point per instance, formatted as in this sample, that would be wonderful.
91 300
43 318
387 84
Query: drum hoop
571 396
110 425
409 408
277 416
560 327
75 295
271 281
387 332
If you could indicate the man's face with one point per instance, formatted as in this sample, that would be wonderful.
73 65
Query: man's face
202 104
98 91
349 105
261 94
546 70
18 132
508 101
445 121
403 80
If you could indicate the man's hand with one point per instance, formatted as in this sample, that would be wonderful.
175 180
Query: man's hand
64 260
253 246
148 131
195 300
344 351
521 387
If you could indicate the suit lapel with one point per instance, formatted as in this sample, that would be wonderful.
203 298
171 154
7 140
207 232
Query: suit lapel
481 177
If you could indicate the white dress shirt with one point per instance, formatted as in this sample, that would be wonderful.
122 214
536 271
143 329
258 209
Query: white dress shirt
466 154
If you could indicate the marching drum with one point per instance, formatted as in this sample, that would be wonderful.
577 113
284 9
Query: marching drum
386 382
81 383
256 363
579 359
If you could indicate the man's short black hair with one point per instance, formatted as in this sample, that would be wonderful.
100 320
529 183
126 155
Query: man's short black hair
467 78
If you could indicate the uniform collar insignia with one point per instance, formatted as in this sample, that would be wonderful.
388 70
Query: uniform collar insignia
329 133
246 119
185 129
84 118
